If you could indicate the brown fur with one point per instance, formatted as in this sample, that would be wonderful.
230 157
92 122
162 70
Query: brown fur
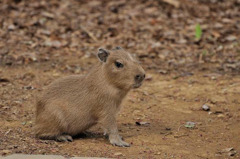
73 104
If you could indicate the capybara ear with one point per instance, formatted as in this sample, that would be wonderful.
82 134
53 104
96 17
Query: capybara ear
103 54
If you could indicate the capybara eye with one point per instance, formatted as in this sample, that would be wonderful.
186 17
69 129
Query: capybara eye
118 64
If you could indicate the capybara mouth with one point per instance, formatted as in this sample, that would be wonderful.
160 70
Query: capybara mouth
137 85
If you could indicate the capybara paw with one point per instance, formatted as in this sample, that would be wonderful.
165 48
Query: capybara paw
64 138
117 141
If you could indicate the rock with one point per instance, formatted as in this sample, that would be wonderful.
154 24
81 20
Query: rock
11 27
168 129
232 153
142 123
163 71
118 154
220 116
205 107
227 149
28 87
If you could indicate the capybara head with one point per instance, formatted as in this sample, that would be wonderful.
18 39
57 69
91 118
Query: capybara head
120 68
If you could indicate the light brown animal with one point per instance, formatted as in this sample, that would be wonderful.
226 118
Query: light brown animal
75 103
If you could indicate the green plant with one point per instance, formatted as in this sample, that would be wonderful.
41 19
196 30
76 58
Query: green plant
204 52
198 32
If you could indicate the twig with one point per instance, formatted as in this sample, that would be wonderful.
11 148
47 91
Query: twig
180 135
89 33
169 133
8 131
179 127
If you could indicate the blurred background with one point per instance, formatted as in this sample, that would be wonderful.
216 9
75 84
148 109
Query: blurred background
165 34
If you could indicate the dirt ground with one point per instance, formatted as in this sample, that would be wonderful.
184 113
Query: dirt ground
43 40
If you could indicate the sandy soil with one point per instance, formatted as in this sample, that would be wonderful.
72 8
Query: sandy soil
164 101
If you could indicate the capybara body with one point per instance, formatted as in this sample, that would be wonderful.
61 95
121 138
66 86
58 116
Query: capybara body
73 104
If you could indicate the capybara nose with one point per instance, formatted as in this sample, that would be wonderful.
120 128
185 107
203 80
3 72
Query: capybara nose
139 78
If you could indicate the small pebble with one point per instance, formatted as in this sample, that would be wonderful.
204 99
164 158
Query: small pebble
142 123
210 113
220 116
205 107
232 153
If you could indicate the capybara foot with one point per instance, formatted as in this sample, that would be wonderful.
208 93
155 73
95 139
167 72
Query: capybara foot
64 138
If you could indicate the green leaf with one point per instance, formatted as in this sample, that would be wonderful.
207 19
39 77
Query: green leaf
190 124
198 32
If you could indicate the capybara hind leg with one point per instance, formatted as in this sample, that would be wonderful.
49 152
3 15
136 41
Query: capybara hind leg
47 136
64 138
57 137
